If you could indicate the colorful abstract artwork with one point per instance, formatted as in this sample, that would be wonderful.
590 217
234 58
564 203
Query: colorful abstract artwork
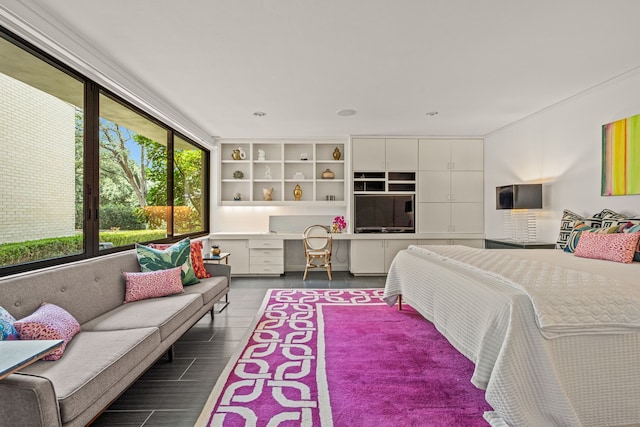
621 157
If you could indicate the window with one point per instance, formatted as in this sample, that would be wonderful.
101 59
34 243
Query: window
41 179
189 185
133 176
80 180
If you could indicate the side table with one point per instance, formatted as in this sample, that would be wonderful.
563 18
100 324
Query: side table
208 258
20 353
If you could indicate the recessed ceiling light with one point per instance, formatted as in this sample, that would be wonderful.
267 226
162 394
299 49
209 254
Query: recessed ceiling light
346 112
259 114
432 113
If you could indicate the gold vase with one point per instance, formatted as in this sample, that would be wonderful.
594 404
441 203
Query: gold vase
336 154
297 192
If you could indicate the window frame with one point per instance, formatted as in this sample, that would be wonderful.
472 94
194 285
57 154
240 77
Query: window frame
91 171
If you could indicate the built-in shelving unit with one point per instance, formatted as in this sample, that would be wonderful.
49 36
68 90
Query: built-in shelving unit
280 166
378 182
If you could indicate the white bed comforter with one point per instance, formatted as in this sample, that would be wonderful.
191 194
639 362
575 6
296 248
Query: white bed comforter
501 318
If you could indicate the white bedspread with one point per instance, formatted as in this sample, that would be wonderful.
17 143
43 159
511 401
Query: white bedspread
575 379
566 301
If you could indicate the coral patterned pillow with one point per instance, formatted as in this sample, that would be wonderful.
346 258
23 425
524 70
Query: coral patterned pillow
196 257
48 322
7 330
152 284
618 247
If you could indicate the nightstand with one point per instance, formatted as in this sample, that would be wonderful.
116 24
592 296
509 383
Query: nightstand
510 244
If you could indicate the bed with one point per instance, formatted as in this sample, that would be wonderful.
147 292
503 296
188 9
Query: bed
555 338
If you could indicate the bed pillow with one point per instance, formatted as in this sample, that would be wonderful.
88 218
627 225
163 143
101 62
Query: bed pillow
630 227
611 218
619 247
568 221
176 255
581 227
7 330
152 284
196 258
49 322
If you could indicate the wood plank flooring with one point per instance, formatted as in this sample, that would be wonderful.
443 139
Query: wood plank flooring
173 394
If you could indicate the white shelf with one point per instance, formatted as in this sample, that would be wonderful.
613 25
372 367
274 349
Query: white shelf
283 161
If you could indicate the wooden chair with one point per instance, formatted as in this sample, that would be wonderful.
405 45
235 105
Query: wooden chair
317 248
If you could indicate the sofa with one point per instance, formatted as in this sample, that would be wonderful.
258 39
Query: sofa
116 344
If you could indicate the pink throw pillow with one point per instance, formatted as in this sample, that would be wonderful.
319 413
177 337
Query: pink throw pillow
618 247
48 322
152 284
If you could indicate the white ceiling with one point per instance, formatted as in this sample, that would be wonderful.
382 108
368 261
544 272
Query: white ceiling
482 64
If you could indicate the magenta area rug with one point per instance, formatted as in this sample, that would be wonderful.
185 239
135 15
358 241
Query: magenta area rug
343 358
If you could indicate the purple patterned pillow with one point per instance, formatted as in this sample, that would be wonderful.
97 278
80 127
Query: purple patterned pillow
48 322
618 247
152 284
7 330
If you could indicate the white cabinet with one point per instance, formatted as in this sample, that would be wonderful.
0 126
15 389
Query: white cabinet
451 186
451 154
239 250
266 256
384 154
375 256
276 167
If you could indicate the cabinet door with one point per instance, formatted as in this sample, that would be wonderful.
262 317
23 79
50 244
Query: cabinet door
367 257
368 154
467 186
434 154
467 154
434 217
392 247
401 154
239 250
467 217
434 186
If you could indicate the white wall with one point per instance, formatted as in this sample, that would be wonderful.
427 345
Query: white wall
561 148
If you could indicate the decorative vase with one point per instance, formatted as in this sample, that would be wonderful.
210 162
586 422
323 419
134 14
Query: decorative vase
267 193
328 174
336 154
215 250
238 154
334 228
297 192
238 175
237 197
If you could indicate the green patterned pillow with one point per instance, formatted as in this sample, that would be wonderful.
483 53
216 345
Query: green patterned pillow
177 255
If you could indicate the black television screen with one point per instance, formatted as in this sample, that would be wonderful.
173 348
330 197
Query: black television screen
384 213
520 196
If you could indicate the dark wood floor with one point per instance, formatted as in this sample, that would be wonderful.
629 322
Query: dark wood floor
173 394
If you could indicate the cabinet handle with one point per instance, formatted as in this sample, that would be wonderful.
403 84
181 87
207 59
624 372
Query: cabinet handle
453 165
448 165
452 197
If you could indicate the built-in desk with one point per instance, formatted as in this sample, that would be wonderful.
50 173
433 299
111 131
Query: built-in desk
362 253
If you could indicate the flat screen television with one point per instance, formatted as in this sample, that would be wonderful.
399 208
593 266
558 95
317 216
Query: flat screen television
519 196
384 213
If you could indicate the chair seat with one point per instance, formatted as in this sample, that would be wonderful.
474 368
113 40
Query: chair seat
318 253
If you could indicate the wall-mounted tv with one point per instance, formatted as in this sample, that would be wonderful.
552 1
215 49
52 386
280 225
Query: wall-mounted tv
519 196
384 213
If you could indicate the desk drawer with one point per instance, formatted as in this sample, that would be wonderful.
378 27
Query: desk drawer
266 269
266 243
266 260
274 253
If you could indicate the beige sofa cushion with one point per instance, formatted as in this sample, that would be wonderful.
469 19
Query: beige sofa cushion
165 313
93 363
209 288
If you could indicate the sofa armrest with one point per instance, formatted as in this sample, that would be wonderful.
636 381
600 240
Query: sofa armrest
28 400
219 270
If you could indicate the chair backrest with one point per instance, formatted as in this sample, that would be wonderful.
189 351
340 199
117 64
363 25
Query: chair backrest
317 237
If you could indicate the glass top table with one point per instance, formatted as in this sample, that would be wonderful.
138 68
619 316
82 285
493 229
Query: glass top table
15 355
